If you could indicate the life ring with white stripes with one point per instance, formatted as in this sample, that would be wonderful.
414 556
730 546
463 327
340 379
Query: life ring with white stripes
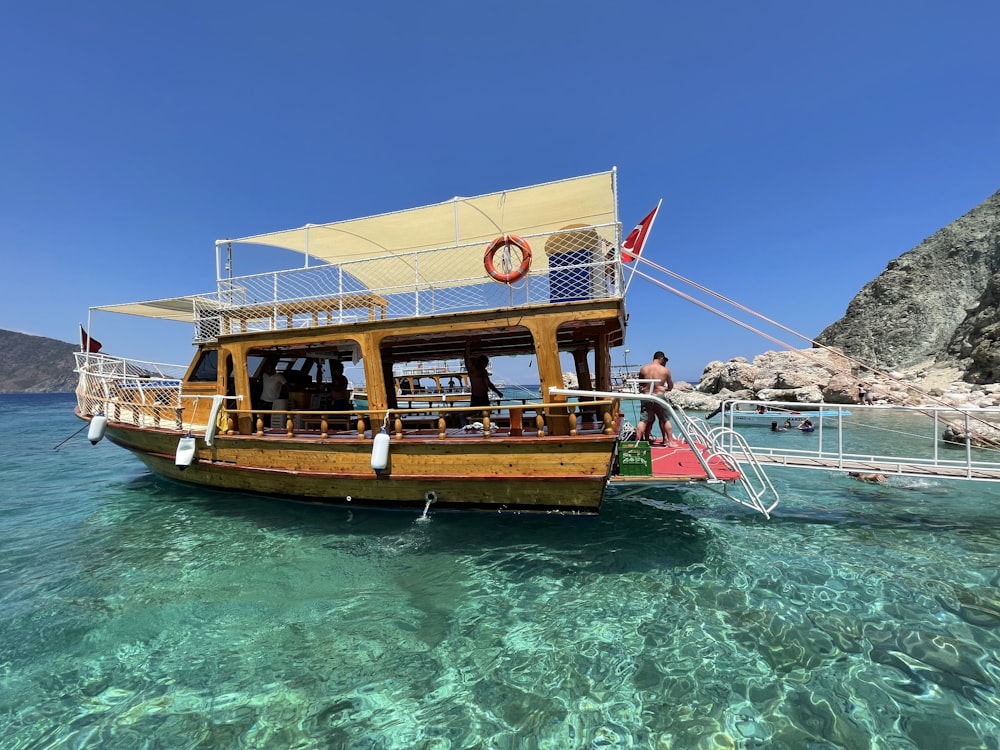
506 241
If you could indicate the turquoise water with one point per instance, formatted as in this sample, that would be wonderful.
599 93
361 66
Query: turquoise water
139 614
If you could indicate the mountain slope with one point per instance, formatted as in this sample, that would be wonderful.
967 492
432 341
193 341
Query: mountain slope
934 302
35 364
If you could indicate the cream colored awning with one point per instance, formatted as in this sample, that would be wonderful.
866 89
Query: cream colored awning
175 308
467 223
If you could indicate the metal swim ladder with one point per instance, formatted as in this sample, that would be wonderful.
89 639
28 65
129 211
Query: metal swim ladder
714 440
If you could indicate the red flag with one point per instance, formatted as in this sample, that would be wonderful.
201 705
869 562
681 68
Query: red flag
88 343
637 237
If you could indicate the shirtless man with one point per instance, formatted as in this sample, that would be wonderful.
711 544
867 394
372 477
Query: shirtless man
480 384
657 371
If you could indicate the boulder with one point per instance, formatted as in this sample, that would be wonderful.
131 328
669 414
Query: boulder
803 375
735 375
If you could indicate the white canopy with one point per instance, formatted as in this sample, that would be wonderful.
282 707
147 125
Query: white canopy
174 308
440 244
469 223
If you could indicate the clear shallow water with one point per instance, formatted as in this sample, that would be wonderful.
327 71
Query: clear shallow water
139 614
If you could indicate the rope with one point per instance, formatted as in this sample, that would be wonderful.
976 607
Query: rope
57 447
854 360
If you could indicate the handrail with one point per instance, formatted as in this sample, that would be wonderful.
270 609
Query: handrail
716 438
858 442
668 407
686 426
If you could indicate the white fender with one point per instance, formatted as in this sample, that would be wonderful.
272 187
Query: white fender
98 424
213 419
185 452
380 452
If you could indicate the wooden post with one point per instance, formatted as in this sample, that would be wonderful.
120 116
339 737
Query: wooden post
516 423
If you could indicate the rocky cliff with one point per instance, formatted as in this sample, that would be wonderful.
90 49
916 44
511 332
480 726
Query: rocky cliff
928 325
935 303
34 364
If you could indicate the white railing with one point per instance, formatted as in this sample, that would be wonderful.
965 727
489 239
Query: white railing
705 447
148 392
902 440
333 294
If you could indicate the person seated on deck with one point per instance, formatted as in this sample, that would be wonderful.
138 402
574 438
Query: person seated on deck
479 379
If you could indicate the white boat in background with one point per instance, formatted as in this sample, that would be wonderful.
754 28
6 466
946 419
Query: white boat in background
763 414
429 384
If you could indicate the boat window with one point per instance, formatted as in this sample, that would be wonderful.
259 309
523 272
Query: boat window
255 364
207 369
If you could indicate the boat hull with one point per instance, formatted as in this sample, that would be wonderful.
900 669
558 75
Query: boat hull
544 474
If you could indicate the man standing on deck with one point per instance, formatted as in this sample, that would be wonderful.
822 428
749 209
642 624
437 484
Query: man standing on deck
480 384
657 372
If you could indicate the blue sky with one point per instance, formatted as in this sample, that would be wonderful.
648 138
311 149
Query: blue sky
798 146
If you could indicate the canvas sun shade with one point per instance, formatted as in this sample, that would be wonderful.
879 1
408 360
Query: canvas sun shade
468 224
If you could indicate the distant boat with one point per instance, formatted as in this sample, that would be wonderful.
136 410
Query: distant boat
764 416
427 384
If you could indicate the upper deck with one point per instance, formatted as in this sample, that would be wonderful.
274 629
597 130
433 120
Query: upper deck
421 262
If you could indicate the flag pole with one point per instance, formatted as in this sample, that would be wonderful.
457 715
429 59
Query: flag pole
636 258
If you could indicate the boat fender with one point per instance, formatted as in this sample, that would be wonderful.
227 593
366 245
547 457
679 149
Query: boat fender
505 241
185 452
380 452
213 419
98 424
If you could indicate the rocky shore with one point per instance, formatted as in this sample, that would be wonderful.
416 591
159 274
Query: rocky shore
825 375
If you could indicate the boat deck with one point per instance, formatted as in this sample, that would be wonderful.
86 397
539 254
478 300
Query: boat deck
679 464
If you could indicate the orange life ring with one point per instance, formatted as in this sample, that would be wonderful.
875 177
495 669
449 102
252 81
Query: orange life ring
505 241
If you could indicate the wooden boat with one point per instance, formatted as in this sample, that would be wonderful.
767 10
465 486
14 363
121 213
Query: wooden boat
526 272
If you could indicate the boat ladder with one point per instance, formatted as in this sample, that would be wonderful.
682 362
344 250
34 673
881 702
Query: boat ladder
707 443
752 477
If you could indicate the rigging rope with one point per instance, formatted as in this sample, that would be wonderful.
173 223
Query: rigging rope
991 443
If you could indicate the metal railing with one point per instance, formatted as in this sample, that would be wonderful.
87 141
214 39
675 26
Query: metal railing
333 294
885 439
705 445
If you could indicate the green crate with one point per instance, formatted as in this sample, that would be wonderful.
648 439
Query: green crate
635 459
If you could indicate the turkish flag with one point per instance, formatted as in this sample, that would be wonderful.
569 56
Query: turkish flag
88 343
632 245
